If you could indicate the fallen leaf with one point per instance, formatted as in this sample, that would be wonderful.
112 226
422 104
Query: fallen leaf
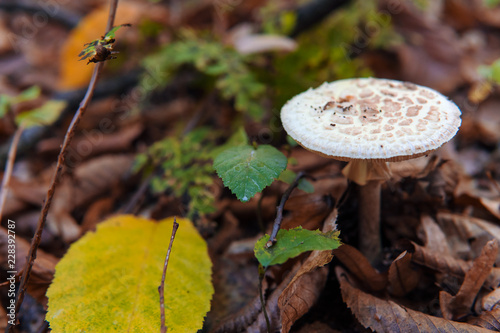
403 276
492 205
489 320
360 267
458 306
490 300
123 260
387 316
434 238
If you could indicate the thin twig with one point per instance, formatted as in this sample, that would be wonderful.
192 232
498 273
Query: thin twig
279 213
8 168
70 133
161 288
262 275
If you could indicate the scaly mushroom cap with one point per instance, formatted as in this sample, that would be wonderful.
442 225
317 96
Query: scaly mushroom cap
368 118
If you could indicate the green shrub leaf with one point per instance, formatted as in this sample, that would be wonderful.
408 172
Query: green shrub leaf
44 115
108 280
246 170
291 243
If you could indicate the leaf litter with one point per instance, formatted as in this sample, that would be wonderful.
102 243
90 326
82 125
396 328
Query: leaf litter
440 214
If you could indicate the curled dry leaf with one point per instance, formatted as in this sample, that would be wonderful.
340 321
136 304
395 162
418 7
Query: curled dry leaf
301 294
403 277
387 316
458 306
489 320
490 300
305 288
360 267
450 265
433 236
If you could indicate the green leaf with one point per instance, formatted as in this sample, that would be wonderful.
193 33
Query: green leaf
27 95
291 243
4 104
108 280
491 3
44 115
246 170
239 138
288 176
291 141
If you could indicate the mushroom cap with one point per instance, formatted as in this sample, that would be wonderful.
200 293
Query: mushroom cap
368 118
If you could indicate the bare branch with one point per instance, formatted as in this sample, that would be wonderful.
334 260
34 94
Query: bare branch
161 288
70 133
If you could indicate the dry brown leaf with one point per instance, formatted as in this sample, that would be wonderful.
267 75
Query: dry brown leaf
96 176
300 295
439 262
490 300
43 268
306 210
387 316
97 142
403 276
489 320
490 228
492 205
360 267
433 237
458 306
305 288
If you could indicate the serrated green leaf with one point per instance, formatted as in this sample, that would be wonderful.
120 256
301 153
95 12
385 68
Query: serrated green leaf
288 176
291 243
44 115
246 170
108 280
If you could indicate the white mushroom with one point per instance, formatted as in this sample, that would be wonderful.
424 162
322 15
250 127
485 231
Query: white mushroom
370 122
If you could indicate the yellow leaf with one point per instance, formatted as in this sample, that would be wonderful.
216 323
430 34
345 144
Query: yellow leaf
75 73
108 280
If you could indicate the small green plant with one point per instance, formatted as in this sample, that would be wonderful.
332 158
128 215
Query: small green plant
226 69
101 49
248 169
491 72
184 167
46 114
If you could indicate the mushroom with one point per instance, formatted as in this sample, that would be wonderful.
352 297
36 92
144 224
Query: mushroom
369 122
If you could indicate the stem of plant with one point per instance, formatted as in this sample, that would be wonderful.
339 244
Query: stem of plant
70 133
161 288
279 213
262 274
8 168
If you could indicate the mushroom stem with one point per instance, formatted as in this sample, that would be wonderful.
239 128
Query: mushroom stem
369 221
